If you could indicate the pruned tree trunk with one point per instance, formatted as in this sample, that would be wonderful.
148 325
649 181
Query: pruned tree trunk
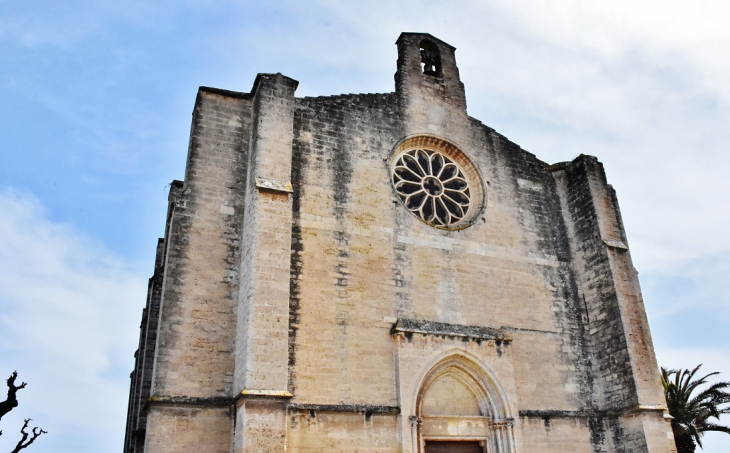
28 437
12 400
10 403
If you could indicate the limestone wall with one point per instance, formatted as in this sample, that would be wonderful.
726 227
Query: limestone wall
303 307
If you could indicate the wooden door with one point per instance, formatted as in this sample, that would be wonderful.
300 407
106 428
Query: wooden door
453 447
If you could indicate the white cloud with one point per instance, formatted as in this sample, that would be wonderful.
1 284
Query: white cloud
69 313
693 290
711 359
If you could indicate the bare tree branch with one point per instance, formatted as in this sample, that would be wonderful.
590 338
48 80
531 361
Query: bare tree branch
12 401
24 442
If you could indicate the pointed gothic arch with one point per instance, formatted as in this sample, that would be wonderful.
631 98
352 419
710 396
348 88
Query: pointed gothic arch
460 402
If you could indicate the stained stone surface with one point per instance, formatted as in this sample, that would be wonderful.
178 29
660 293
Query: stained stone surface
298 304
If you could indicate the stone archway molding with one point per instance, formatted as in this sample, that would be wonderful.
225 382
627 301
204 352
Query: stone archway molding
494 427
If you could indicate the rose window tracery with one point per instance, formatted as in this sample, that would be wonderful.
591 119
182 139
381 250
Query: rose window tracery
432 186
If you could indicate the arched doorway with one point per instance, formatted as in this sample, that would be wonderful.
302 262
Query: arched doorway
460 408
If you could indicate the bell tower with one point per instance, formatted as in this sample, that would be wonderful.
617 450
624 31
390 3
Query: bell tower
427 73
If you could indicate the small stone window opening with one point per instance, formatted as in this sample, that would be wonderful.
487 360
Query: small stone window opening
430 58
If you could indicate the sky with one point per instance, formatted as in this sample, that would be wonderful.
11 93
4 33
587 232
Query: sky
95 116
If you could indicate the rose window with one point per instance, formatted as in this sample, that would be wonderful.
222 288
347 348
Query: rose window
432 186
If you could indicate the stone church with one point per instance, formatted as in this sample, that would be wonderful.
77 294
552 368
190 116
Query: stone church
385 273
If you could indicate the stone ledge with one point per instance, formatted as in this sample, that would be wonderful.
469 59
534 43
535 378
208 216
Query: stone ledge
227 93
590 413
616 244
217 401
477 333
214 401
346 408
265 393
273 185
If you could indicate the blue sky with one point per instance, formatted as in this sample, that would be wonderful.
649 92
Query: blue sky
97 101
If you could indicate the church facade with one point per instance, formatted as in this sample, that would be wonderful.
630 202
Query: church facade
384 273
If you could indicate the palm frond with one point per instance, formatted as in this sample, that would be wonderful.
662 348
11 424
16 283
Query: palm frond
693 413
716 427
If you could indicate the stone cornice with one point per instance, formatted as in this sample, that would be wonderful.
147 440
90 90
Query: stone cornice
477 333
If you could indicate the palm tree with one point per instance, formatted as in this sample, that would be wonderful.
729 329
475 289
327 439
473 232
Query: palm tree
692 414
